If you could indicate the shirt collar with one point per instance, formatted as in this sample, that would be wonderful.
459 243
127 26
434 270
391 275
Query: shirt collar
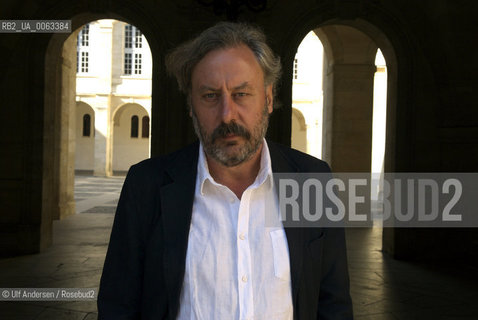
264 174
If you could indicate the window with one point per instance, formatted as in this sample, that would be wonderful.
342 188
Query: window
128 36
84 36
82 50
127 63
134 126
138 43
133 47
145 127
137 63
84 62
296 72
86 125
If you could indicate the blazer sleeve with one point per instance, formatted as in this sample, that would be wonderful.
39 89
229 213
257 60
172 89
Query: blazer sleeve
121 282
334 297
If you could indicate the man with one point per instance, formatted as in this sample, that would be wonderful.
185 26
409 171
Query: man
190 238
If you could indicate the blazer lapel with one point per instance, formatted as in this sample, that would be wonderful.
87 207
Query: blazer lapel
176 210
295 236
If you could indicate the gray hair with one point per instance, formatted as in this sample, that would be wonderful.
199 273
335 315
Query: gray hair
182 60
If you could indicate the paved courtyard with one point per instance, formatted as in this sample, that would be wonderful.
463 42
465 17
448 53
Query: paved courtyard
75 260
382 288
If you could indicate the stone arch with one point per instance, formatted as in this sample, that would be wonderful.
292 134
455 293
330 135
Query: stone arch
299 131
345 74
118 111
348 94
348 91
57 116
394 41
85 145
351 52
128 150
300 119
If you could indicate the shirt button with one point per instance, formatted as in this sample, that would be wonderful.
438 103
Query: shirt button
244 278
242 236
231 200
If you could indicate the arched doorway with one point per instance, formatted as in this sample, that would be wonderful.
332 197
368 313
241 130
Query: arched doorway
350 48
299 131
85 138
307 94
130 136
348 94
60 122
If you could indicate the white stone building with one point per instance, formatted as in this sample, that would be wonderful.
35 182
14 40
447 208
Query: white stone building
307 96
113 97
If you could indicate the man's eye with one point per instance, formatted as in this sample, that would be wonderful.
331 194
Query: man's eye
241 94
210 95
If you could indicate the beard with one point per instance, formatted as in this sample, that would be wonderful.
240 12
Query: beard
232 153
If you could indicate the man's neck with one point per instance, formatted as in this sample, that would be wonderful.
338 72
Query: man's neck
236 178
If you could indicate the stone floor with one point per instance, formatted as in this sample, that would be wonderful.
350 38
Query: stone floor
381 288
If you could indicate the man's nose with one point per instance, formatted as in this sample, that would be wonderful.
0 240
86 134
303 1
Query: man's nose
229 109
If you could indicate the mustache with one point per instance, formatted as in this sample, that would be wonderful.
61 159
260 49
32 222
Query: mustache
225 129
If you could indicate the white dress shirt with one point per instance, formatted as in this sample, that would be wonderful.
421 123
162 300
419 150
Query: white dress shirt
236 267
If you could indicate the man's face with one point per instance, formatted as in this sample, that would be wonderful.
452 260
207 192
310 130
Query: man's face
230 104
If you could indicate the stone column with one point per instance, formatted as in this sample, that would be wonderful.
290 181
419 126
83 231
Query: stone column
350 126
103 55
348 97
66 201
102 142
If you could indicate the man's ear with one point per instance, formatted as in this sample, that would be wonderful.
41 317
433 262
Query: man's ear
269 98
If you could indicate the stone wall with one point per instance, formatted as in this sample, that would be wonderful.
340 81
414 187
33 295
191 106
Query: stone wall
432 119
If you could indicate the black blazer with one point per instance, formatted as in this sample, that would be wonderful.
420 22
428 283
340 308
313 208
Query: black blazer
144 266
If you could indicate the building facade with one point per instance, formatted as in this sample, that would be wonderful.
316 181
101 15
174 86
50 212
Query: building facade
113 97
